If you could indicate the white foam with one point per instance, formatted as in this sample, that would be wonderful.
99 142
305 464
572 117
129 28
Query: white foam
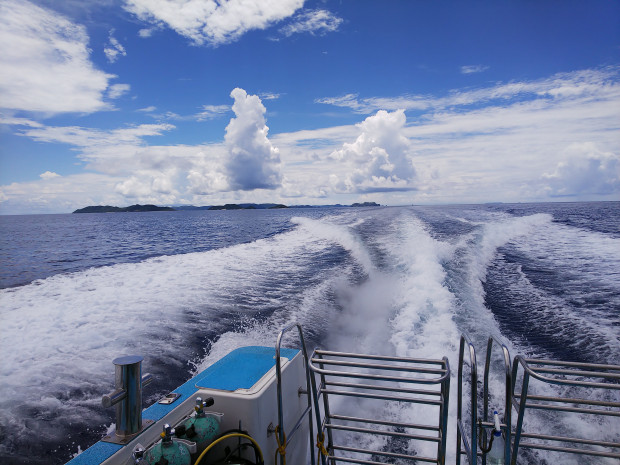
62 332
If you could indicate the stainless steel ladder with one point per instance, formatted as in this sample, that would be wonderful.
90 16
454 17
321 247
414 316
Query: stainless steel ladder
585 378
380 378
580 376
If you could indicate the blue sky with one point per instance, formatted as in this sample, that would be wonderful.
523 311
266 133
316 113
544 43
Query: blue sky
307 102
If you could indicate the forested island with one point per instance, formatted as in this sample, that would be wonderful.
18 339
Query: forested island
131 208
366 204
228 206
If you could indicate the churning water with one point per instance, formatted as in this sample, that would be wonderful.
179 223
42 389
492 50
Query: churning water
184 288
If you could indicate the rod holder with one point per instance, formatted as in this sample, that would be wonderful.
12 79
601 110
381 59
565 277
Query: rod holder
127 397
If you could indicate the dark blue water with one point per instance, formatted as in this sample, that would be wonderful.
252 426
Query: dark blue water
37 246
184 288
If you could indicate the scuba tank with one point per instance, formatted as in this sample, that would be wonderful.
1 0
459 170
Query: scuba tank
170 451
202 428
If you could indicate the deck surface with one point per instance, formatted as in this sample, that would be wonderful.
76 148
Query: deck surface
240 369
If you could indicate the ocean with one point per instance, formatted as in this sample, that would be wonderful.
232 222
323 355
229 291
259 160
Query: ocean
184 288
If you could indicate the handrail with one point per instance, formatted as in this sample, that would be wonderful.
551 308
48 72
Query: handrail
535 374
469 447
413 370
310 387
581 370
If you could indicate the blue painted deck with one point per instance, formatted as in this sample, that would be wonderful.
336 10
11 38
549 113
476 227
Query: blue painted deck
240 369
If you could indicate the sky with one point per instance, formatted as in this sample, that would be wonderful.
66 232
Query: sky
205 102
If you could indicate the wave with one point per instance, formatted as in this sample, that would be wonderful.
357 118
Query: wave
389 281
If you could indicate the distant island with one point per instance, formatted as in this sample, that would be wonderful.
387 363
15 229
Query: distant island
228 206
132 208
247 206
366 204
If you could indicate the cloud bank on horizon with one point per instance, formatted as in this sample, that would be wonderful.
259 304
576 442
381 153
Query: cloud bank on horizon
553 137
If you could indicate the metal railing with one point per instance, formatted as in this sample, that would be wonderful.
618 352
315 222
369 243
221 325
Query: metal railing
380 378
465 445
285 438
587 377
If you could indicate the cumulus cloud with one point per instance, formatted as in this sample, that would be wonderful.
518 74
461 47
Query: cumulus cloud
150 186
315 22
253 162
585 170
45 62
48 175
380 156
207 175
59 194
210 21
114 49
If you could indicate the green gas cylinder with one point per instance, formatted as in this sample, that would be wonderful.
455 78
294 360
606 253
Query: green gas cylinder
170 451
202 428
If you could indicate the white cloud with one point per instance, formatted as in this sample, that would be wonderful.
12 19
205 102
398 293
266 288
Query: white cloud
13 121
585 170
269 96
146 32
472 69
45 62
253 163
380 156
210 21
59 194
523 141
150 186
88 138
149 109
585 83
49 175
211 112
117 90
114 49
316 22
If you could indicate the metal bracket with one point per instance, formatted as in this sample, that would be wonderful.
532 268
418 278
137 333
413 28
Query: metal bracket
124 440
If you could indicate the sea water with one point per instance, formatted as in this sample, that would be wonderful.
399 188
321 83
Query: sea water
184 288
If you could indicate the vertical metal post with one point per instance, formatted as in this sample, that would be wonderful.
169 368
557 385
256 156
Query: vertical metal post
522 402
128 377
443 412
310 387
127 396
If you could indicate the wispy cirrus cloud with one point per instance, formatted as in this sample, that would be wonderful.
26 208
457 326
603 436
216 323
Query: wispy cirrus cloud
213 22
88 137
118 90
46 64
114 48
211 112
315 22
560 86
149 109
473 69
